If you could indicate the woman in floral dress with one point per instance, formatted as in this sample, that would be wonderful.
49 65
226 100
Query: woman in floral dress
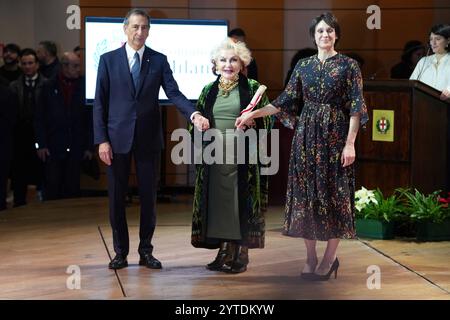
321 183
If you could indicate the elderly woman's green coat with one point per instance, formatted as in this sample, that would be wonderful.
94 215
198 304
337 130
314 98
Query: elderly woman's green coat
252 186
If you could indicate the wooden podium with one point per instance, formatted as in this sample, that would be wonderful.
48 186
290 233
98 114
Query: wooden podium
418 155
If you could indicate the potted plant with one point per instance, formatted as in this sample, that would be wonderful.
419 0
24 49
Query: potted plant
431 214
375 214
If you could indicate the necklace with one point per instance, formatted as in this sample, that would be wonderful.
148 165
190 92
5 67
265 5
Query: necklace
225 86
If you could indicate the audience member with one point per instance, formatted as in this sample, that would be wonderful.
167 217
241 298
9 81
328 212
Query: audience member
251 71
413 51
47 54
63 125
26 168
10 71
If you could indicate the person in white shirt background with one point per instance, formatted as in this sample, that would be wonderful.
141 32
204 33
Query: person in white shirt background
434 70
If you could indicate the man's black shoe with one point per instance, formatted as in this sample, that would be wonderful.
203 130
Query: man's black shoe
118 262
150 261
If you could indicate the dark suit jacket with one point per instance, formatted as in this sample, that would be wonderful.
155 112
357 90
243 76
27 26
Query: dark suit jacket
17 87
124 116
24 134
59 126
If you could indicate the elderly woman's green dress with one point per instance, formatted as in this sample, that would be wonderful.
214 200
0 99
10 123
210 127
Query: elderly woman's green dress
228 197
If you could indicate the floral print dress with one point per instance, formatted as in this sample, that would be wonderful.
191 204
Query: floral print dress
320 192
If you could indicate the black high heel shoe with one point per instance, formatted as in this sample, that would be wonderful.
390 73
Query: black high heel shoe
325 277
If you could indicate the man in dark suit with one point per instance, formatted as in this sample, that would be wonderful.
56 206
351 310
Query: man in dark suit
127 121
26 167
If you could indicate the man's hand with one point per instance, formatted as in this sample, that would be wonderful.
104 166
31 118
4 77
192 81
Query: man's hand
105 153
200 122
43 154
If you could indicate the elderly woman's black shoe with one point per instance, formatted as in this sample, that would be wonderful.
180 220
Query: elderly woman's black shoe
240 261
224 256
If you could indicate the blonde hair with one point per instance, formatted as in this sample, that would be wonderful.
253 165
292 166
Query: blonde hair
239 48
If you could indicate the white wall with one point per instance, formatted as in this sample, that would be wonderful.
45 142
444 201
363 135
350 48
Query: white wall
17 19
50 24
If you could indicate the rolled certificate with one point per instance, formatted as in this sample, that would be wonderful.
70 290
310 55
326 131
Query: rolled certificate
255 99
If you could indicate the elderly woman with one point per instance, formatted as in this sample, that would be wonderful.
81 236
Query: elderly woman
321 184
434 70
227 200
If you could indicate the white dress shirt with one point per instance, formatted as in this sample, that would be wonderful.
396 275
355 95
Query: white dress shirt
131 52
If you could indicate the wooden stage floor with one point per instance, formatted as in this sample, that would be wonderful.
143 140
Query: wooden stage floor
40 241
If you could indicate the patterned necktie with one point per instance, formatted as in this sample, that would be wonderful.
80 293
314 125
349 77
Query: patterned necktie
135 68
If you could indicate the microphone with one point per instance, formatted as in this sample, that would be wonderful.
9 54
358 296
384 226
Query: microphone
423 64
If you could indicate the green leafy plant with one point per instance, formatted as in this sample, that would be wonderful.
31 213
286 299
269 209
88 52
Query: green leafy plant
371 204
421 207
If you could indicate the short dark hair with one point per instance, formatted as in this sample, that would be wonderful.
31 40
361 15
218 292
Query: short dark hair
138 12
238 32
442 30
12 47
50 47
330 20
29 52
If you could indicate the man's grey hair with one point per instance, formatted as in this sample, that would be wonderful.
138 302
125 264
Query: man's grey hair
136 11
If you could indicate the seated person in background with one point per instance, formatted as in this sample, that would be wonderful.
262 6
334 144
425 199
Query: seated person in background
251 71
357 58
413 51
302 53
